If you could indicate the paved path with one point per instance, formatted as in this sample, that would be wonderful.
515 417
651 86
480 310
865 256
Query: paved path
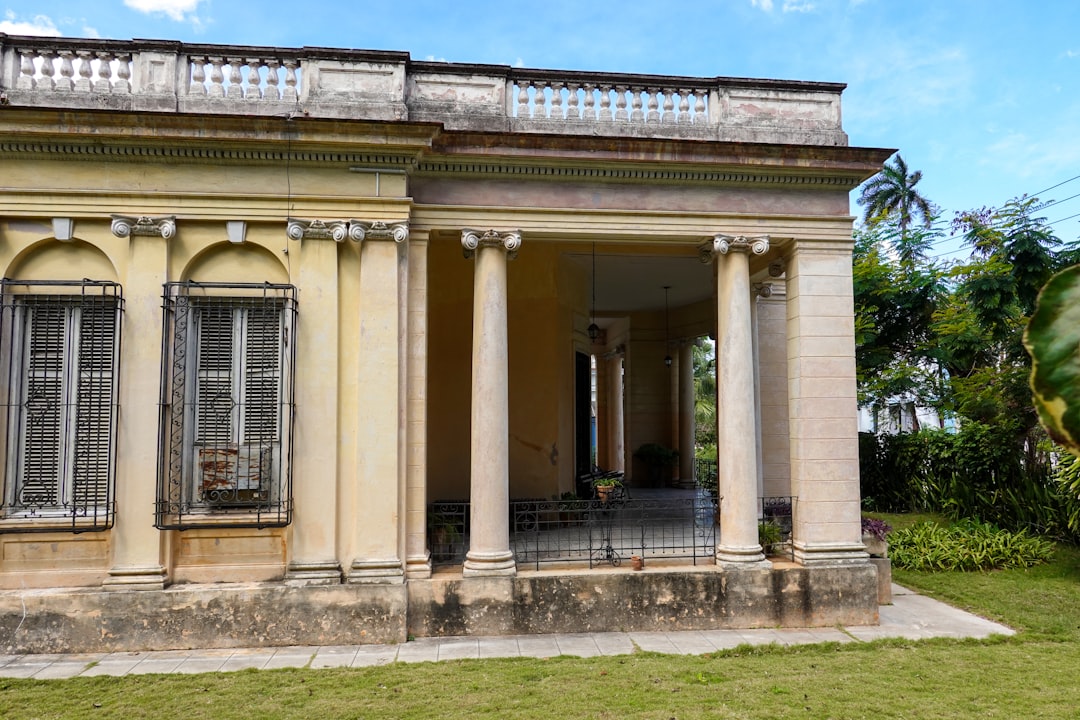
910 616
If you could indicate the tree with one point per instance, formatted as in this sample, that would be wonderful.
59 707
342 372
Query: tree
892 193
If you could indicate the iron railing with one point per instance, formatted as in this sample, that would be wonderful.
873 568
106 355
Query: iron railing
589 532
228 359
59 367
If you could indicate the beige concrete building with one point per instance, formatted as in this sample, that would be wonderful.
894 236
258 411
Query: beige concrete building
297 346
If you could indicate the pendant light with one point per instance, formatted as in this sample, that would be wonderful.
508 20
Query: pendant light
594 329
667 358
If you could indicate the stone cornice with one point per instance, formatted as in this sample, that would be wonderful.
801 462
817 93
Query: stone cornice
200 155
632 174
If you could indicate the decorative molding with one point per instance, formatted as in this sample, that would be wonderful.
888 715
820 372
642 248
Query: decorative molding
236 231
360 230
777 268
724 244
761 290
63 229
471 240
640 174
73 151
128 226
299 229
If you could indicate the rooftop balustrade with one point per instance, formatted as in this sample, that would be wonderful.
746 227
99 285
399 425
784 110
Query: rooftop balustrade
175 77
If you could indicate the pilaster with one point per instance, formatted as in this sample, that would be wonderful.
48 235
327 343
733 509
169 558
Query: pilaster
312 550
822 403
137 546
378 552
418 559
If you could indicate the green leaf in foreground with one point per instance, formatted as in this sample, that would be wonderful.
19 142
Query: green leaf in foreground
1053 339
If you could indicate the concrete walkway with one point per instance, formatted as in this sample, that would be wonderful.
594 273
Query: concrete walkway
910 616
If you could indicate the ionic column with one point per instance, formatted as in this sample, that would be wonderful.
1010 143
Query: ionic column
737 452
378 554
312 547
822 403
417 558
137 546
686 412
489 494
616 427
760 290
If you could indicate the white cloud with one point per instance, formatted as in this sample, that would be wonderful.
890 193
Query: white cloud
1071 54
796 6
519 63
765 5
178 10
90 32
39 25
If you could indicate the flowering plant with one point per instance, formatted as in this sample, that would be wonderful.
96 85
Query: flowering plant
877 528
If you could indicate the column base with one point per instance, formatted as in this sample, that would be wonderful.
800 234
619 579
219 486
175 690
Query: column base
298 574
480 564
153 577
741 555
831 553
418 567
376 572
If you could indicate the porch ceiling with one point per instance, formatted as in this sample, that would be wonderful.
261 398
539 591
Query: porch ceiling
635 283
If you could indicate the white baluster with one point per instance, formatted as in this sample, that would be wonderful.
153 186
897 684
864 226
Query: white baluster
668 115
556 101
684 107
252 91
605 103
620 104
272 92
699 108
26 79
67 71
636 115
103 84
123 74
540 101
83 83
198 76
47 69
589 113
654 104
523 99
235 79
216 77
572 111
289 94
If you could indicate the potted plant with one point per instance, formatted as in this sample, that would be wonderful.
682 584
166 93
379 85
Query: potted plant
874 536
770 536
604 486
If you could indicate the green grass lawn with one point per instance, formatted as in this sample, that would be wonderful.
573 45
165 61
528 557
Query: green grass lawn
1032 675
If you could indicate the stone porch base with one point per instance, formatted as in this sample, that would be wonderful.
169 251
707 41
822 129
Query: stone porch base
275 614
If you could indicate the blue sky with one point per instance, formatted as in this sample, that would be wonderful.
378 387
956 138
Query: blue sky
983 97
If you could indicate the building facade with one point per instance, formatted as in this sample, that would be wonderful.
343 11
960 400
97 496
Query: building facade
263 307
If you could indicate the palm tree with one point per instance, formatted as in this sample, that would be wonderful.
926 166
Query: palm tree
892 192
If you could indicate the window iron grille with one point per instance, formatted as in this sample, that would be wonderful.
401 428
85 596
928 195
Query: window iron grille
225 438
59 365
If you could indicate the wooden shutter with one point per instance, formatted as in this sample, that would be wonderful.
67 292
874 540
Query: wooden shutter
43 405
215 404
94 398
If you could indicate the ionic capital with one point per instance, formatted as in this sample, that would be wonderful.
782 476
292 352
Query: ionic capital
378 230
761 289
777 268
471 240
724 244
298 229
126 226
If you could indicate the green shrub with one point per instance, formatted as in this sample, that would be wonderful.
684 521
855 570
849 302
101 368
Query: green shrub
968 545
